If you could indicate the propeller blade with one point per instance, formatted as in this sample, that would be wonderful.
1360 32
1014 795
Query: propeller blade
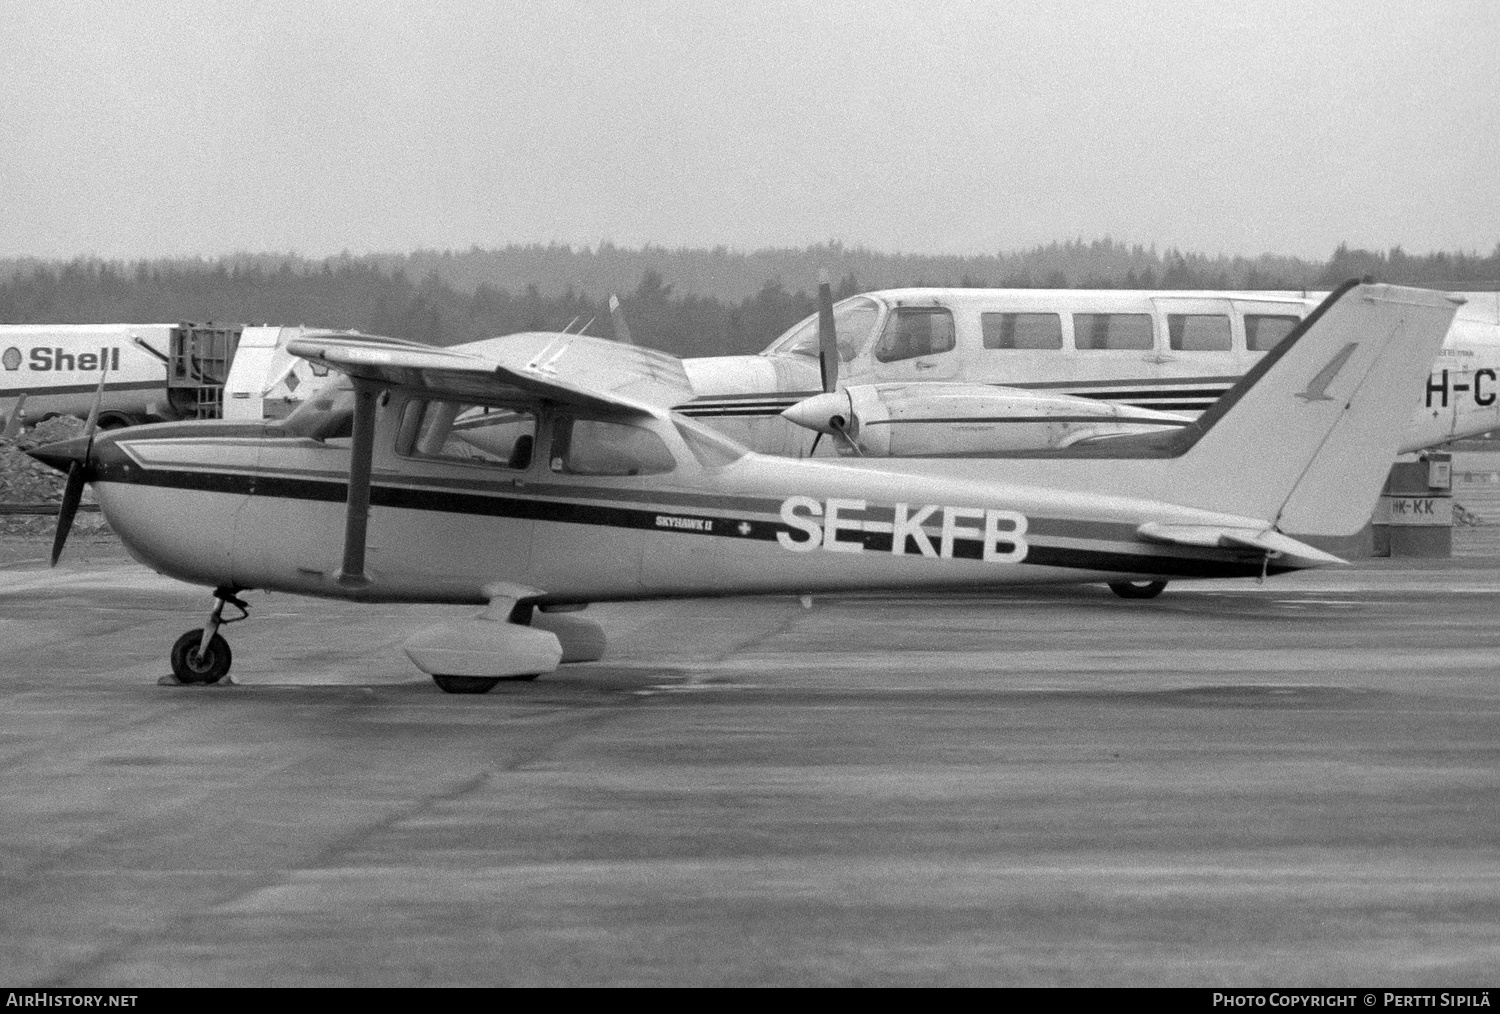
828 339
78 470
93 422
72 494
13 422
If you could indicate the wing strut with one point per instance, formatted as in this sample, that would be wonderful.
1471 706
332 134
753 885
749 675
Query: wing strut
352 573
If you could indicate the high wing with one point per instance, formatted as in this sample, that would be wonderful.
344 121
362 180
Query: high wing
603 377
591 373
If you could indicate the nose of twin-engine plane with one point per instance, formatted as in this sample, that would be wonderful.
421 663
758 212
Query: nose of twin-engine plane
819 412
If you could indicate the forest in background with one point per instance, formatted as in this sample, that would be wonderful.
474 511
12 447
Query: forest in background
689 302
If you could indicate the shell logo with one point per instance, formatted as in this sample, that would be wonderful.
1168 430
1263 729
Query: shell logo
11 358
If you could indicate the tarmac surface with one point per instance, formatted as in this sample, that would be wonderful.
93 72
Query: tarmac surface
1295 783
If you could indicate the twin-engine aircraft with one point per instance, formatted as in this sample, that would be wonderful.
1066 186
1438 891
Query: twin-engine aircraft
540 473
956 371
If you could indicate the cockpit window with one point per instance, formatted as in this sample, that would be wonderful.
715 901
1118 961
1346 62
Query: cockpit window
596 447
853 323
913 331
327 415
479 434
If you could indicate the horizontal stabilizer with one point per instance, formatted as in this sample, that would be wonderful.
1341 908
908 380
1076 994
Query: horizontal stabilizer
1265 540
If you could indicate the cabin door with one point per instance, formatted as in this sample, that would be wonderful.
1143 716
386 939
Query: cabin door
917 343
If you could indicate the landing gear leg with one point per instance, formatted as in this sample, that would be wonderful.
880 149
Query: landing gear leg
201 655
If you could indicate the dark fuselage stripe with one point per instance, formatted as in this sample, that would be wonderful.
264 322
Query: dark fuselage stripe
1195 562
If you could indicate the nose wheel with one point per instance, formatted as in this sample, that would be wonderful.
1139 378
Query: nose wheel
191 664
201 655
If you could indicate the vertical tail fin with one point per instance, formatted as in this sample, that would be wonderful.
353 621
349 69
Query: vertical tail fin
1306 437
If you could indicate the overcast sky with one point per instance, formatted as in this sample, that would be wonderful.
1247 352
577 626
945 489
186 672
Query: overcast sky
157 128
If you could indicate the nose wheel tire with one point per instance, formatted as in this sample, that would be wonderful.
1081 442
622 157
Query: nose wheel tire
190 665
475 684
1137 589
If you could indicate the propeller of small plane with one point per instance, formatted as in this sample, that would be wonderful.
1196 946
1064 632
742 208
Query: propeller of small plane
828 338
823 412
76 453
13 421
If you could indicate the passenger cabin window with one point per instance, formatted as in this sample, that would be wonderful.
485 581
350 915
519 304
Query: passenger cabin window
912 331
1264 331
853 324
1112 331
595 447
1021 330
1198 332
476 434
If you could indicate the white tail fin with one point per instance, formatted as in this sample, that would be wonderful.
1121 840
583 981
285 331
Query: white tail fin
1306 438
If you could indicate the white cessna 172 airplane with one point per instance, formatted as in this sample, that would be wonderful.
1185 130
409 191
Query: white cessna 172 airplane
550 473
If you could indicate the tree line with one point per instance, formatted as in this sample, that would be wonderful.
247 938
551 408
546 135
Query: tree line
671 300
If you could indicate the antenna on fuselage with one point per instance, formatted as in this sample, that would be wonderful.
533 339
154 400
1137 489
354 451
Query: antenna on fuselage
617 317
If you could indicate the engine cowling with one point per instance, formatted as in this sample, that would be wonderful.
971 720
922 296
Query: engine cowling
936 420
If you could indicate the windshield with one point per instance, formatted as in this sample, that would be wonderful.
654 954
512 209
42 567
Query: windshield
605 447
853 322
712 448
327 414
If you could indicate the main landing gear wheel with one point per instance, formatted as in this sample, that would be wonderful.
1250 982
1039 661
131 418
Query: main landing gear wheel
1137 589
476 684
190 665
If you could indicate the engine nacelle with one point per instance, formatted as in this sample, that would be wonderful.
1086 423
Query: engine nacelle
936 420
